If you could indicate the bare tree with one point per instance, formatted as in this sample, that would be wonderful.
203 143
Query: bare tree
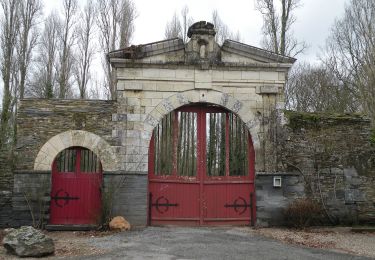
30 11
10 22
44 73
127 16
173 29
113 17
350 51
85 47
66 42
316 89
277 27
187 21
222 30
95 91
178 27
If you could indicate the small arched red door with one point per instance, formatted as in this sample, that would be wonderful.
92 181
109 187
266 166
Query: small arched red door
201 169
76 188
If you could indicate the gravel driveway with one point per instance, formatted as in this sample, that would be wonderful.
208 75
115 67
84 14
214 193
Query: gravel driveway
203 243
211 243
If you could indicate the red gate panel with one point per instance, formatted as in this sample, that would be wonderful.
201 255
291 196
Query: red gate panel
174 203
201 169
227 203
76 184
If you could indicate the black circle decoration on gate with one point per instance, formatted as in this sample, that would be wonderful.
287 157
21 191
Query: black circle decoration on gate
240 205
162 204
62 195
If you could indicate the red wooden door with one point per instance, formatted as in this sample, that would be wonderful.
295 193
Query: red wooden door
76 187
201 169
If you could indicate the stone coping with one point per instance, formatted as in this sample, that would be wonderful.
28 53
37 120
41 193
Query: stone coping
68 100
146 173
232 46
124 173
128 63
104 172
31 172
277 174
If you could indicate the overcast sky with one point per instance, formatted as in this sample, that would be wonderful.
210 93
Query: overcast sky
314 20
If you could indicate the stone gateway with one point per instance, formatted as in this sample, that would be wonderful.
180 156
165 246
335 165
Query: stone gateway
196 136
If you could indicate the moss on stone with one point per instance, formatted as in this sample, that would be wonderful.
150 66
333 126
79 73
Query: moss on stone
299 120
372 136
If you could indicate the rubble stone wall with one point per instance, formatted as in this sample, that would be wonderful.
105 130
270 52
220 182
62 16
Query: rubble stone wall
336 156
328 158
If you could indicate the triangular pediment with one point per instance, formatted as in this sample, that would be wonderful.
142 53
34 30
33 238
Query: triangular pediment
200 49
233 51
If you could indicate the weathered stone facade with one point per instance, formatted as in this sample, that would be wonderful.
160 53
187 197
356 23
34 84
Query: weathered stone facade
157 78
329 158
47 127
335 154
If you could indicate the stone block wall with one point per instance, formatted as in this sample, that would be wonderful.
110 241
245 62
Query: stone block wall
272 201
328 158
6 184
31 198
335 155
129 196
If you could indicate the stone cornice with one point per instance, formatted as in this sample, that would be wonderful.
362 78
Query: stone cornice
129 63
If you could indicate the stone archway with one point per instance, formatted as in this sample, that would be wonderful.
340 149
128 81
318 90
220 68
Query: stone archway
58 143
204 96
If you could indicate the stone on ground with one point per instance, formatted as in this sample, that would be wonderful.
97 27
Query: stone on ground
28 241
119 224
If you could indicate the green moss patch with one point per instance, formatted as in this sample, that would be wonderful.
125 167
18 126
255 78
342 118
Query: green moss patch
299 120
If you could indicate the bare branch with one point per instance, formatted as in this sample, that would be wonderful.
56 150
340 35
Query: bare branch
222 30
10 24
116 26
66 42
187 21
316 89
173 29
85 47
30 12
44 74
350 52
277 25
178 27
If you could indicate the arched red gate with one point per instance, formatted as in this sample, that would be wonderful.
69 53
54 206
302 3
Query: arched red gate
201 169
76 188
